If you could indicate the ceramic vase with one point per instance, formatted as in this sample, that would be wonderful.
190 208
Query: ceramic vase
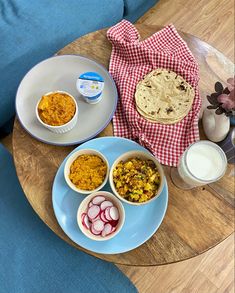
216 127
228 146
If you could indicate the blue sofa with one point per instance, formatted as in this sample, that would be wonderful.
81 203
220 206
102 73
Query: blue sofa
32 258
31 31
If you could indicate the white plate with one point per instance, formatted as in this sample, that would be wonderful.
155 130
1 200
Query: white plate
61 73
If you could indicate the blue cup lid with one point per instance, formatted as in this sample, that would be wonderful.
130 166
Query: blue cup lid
91 76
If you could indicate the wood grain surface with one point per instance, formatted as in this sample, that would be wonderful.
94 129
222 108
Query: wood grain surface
210 20
195 221
211 272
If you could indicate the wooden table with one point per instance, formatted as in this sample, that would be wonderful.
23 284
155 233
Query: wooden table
195 221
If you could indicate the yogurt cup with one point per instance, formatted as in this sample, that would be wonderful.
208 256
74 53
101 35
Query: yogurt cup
90 85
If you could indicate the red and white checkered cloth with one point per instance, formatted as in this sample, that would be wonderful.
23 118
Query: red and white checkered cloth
130 61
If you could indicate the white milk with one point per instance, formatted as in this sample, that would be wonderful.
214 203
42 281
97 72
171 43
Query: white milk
203 162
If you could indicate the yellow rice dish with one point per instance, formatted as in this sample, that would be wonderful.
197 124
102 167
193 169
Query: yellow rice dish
136 180
88 172
56 109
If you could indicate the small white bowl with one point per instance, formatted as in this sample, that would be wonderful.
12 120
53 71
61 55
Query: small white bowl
62 128
142 155
83 208
72 158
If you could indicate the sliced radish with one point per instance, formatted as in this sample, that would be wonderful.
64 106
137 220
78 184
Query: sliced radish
93 211
106 213
107 229
83 215
93 231
95 219
98 225
103 233
86 222
106 204
102 217
113 229
106 232
98 200
114 213
113 223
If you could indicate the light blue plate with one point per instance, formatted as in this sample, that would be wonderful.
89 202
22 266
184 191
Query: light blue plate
141 221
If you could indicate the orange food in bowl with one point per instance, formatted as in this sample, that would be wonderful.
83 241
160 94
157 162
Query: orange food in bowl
88 172
56 109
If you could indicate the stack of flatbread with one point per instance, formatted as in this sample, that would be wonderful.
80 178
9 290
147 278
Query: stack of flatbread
164 97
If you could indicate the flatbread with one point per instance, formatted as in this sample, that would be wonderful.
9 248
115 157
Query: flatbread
162 121
164 97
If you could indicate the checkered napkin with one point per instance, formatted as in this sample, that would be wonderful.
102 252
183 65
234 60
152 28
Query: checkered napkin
130 61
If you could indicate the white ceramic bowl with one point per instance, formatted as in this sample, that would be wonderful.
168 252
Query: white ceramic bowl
83 208
72 158
62 128
141 155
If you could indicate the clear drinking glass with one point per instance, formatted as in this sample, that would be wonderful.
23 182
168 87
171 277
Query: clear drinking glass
203 162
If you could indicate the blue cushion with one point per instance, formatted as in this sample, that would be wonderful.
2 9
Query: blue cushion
7 127
133 9
31 31
34 260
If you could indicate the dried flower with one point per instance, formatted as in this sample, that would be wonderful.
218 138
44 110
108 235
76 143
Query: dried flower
223 100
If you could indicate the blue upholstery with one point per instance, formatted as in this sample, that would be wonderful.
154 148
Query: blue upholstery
34 260
133 9
31 31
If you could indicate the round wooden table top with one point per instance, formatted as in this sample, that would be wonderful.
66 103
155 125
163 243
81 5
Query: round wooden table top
196 220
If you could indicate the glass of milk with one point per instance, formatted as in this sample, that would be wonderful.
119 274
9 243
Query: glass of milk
202 163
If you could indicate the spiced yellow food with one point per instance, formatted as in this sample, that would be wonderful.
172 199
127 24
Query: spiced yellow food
88 172
136 180
56 108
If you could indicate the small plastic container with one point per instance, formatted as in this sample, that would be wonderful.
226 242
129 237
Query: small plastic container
90 85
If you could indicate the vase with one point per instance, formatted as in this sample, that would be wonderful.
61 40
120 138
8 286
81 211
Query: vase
228 146
216 127
232 120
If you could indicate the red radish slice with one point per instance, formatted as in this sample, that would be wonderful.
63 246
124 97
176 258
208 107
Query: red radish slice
98 225
114 213
107 215
93 231
93 211
107 229
113 223
95 219
86 222
113 229
103 233
102 217
106 204
83 215
98 200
